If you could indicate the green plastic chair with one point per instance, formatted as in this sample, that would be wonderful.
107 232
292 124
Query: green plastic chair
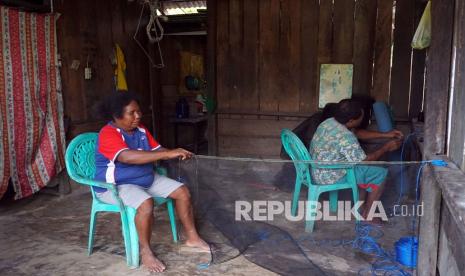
80 164
302 161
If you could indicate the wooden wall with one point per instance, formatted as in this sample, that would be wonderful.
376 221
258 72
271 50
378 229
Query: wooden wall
268 54
89 29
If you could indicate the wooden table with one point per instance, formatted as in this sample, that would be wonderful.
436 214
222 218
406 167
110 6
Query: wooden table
195 122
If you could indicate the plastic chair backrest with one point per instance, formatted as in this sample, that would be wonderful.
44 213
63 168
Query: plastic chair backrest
80 157
298 153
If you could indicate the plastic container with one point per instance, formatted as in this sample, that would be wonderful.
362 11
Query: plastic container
182 108
407 251
383 117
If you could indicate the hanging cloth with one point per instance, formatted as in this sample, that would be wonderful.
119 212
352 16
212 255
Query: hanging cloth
32 137
120 78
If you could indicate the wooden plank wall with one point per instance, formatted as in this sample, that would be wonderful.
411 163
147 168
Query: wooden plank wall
90 29
269 52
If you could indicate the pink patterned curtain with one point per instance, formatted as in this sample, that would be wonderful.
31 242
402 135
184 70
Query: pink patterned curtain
31 136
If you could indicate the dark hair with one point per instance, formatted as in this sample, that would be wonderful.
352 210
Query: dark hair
112 106
329 111
367 105
347 110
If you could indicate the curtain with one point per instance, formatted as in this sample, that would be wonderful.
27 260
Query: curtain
32 134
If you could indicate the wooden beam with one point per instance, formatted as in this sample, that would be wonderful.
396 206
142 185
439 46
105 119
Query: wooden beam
27 6
383 40
249 67
289 57
402 57
343 31
262 113
211 75
438 76
222 56
364 37
268 51
436 102
457 132
325 34
309 56
234 77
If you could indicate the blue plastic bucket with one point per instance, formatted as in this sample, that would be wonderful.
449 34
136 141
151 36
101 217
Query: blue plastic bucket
407 251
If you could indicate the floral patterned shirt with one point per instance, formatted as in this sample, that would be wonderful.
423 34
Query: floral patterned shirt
334 142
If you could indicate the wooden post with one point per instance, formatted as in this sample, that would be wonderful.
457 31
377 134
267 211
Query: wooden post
211 75
436 103
457 132
383 40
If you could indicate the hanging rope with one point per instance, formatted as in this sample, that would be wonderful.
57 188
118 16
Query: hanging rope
153 5
154 23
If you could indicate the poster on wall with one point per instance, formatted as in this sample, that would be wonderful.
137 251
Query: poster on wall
335 83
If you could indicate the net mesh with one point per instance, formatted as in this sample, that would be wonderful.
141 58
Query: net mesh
279 243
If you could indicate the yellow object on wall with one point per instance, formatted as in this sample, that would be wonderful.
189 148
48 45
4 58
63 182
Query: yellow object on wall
120 78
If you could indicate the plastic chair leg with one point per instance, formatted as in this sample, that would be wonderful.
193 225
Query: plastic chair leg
333 201
127 238
295 197
90 245
131 212
355 196
172 216
311 210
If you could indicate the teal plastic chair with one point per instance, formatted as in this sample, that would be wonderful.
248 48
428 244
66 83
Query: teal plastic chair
302 161
80 164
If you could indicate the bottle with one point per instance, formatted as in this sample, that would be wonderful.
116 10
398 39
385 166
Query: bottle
200 101
182 108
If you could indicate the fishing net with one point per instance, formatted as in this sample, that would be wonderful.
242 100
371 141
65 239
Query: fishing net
267 235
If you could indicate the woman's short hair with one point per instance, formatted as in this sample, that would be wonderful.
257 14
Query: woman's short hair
347 110
367 106
113 105
329 111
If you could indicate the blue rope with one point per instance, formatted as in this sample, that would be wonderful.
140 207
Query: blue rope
367 243
406 248
203 266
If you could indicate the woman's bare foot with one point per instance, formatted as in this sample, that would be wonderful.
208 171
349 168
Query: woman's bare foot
198 243
150 261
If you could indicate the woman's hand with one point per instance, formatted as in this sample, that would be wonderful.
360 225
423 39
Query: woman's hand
179 153
395 134
393 145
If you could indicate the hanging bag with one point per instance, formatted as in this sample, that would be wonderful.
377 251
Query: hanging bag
422 37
